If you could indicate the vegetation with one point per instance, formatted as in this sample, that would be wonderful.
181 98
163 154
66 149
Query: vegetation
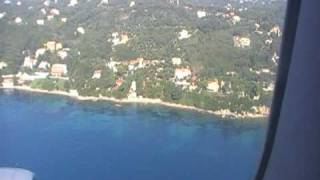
153 28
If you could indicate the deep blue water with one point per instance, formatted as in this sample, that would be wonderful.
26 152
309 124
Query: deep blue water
63 139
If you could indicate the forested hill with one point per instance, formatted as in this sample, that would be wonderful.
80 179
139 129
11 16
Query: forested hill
212 54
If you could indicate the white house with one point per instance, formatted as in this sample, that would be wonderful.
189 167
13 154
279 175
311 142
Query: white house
3 65
55 12
176 61
184 34
231 73
40 22
64 19
2 15
40 52
46 3
29 62
213 86
132 3
72 3
50 17
59 46
97 74
18 20
201 14
81 30
62 54
181 73
113 65
235 19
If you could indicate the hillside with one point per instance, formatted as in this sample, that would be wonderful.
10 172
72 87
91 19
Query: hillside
209 54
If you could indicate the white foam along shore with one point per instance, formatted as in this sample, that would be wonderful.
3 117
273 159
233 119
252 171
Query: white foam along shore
221 113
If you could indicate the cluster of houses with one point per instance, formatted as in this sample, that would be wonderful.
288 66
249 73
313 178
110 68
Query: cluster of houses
42 69
229 13
133 64
184 78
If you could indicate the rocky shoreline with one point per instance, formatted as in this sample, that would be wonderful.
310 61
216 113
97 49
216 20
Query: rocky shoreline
221 113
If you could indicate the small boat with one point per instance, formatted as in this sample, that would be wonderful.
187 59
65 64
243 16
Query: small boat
118 105
7 173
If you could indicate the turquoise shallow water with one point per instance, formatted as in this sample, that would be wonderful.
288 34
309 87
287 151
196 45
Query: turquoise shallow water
63 139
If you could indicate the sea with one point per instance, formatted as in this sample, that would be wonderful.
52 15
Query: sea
60 138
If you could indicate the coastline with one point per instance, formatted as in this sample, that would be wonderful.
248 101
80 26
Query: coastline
221 113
